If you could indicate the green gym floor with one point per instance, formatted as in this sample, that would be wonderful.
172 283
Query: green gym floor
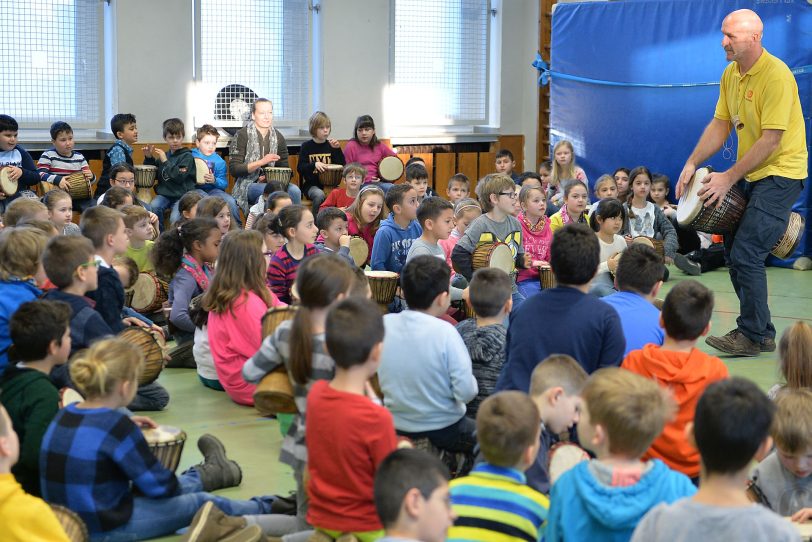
254 441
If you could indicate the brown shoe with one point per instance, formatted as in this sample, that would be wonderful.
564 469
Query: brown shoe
211 524
735 343
767 344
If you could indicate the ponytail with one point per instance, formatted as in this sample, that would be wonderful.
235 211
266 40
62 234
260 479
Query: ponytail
171 245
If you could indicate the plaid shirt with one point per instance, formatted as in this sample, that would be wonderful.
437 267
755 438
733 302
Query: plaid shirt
88 460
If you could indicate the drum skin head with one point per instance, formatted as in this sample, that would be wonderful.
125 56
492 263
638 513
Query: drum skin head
502 258
690 204
390 168
201 169
162 433
8 186
359 250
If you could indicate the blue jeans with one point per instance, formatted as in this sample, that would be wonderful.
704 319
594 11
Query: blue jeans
255 190
232 205
150 397
316 197
602 285
383 185
160 204
764 221
160 517
529 287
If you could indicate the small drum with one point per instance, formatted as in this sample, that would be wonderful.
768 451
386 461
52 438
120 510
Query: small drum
496 255
79 186
546 277
152 345
149 293
359 250
563 457
331 176
145 176
274 394
275 316
71 523
390 169
281 175
692 212
69 396
791 238
656 244
384 285
166 442
201 168
8 186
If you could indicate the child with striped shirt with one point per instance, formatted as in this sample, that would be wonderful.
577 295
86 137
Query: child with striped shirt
54 165
494 502
297 225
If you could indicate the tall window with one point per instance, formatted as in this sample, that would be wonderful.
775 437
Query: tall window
51 61
439 65
255 49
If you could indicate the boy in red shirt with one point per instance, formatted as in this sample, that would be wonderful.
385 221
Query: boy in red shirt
342 197
681 367
348 434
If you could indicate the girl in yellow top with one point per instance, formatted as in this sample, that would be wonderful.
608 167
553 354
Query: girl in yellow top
576 200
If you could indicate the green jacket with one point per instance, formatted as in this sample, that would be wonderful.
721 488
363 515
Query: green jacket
32 401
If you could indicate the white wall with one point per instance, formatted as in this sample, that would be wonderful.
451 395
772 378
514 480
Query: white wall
154 64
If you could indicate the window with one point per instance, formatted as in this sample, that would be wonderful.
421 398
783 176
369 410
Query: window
255 49
52 62
439 64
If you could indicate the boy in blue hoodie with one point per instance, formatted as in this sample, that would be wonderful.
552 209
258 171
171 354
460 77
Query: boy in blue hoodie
21 167
396 232
604 499
217 179
20 271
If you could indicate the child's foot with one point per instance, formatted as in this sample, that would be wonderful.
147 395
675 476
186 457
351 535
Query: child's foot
210 524
217 471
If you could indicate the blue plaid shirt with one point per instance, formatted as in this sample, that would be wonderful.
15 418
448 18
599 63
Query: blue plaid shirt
88 460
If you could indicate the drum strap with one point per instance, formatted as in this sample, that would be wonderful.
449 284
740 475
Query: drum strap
201 274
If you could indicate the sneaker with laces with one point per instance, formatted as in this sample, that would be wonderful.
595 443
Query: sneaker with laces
217 471
211 524
687 266
735 343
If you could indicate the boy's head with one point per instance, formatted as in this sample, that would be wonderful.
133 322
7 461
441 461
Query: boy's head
659 186
504 162
496 191
123 176
117 197
319 125
22 208
69 259
8 132
507 426
105 229
124 127
622 413
136 222
10 446
277 201
418 177
127 270
402 201
206 139
353 176
411 495
39 330
458 187
574 255
555 386
21 253
436 215
731 424
490 292
687 310
423 280
639 270
528 178
792 430
174 132
62 137
332 224
354 333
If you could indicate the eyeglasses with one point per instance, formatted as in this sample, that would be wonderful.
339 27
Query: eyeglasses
125 182
512 195
94 263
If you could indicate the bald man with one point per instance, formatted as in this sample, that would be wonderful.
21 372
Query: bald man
758 98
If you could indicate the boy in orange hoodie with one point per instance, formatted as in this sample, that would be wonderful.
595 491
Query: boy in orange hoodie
681 367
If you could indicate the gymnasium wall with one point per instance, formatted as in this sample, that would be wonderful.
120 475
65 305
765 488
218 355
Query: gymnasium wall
636 82
154 64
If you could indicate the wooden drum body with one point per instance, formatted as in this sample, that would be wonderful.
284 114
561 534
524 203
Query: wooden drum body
546 277
149 293
145 176
281 175
656 244
275 316
691 211
79 186
331 177
274 394
791 238
71 523
384 286
166 443
153 350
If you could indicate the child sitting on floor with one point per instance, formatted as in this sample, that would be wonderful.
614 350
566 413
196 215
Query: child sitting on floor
398 231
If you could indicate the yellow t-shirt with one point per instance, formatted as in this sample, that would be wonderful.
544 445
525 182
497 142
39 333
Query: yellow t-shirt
25 518
141 257
765 98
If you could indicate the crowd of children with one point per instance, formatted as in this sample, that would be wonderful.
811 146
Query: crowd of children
487 398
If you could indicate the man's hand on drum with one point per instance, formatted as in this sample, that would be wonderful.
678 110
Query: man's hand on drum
144 421
716 186
320 166
684 178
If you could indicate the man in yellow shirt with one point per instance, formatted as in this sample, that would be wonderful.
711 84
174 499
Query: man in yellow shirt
758 97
